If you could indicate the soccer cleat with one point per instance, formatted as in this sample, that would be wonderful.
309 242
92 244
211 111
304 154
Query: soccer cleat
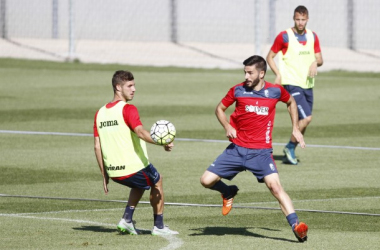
128 228
228 201
300 231
163 231
290 156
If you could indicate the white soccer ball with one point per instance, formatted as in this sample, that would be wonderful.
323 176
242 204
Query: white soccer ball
162 132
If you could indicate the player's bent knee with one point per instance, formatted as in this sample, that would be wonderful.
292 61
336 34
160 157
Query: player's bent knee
307 120
208 179
275 188
205 183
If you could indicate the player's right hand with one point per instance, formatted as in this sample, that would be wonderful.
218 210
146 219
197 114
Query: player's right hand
299 137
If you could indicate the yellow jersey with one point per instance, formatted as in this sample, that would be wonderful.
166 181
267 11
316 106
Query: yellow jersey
124 153
294 65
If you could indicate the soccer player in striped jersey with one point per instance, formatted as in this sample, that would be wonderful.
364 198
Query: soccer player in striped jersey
299 56
121 153
250 132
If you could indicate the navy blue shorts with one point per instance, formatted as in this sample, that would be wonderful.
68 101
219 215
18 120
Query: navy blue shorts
236 159
304 99
145 178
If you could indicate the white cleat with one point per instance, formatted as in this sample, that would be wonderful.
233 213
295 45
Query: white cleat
163 231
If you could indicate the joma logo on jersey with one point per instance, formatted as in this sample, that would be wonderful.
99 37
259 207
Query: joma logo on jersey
304 53
112 168
108 124
256 109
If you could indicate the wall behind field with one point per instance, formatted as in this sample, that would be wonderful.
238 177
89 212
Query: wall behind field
343 24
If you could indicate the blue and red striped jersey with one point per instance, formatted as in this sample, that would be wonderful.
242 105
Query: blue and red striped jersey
253 117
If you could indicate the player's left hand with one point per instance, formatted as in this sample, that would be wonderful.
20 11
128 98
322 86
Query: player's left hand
169 147
313 69
230 132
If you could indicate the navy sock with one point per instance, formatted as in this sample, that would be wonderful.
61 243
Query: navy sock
222 188
292 219
292 144
159 220
128 213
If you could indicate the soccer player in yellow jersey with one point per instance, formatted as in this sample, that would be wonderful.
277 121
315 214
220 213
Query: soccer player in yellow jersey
299 56
120 150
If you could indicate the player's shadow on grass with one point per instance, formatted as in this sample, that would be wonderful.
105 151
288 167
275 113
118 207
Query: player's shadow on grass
221 231
283 160
100 229
278 157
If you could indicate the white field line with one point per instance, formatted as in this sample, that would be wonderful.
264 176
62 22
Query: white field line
174 241
57 219
78 211
312 200
211 205
180 139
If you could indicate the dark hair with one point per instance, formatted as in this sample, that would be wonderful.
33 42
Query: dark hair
120 77
257 61
302 10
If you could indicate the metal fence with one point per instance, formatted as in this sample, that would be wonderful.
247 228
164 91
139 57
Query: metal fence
350 24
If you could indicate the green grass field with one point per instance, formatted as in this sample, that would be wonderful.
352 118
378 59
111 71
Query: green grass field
339 170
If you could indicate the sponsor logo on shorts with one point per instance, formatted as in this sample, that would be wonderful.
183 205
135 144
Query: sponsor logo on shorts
272 167
296 93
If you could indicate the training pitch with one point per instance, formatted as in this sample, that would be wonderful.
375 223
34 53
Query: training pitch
51 194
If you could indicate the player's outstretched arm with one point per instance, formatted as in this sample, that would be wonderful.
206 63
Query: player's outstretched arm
99 159
145 135
292 109
222 118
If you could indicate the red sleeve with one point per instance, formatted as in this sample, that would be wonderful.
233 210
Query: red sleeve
131 116
285 96
317 48
279 44
229 98
95 127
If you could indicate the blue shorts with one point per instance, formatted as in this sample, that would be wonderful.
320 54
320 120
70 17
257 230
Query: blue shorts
144 179
304 99
236 159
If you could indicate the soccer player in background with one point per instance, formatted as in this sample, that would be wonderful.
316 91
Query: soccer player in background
250 132
121 153
299 56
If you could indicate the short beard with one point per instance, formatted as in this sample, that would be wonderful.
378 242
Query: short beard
254 83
